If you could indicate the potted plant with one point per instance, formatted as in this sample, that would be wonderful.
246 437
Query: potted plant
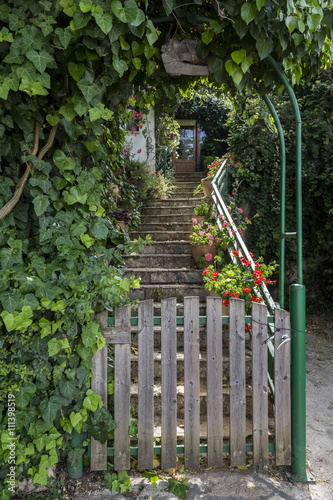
213 168
206 239
123 217
238 280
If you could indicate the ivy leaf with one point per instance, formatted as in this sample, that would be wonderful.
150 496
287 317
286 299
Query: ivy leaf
231 67
4 11
139 19
65 36
237 76
86 181
87 240
248 12
90 334
104 21
291 23
99 229
73 196
119 65
89 90
24 396
207 36
11 301
53 119
238 56
264 47
80 105
76 70
49 409
32 39
215 66
39 59
177 488
126 13
150 67
62 161
67 388
41 203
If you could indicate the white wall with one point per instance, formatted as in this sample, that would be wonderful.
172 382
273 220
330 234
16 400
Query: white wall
143 141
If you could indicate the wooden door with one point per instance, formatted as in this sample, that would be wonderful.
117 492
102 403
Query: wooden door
185 159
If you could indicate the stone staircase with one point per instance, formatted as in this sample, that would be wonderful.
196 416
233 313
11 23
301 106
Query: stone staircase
166 267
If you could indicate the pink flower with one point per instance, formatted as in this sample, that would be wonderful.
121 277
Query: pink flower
225 224
209 226
213 214
208 256
202 234
194 220
218 240
139 151
241 210
210 243
210 237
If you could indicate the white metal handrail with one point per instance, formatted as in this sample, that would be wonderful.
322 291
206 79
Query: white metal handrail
218 184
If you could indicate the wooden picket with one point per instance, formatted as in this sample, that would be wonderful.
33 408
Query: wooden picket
120 335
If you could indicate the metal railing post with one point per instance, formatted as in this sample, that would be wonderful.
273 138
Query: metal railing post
282 198
298 384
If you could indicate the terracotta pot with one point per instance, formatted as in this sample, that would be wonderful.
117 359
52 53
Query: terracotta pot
200 251
207 186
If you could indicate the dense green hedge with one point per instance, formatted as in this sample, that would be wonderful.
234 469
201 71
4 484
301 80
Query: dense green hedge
255 143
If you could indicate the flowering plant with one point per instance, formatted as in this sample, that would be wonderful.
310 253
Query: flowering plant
162 185
121 215
239 280
205 233
214 167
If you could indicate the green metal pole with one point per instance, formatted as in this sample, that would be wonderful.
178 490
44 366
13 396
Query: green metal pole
298 384
299 228
282 197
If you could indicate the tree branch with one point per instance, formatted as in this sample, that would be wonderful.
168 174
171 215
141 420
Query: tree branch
8 207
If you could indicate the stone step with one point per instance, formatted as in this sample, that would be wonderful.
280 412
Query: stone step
185 193
169 276
161 260
168 218
158 292
167 247
161 235
165 226
186 184
184 176
169 210
174 202
179 311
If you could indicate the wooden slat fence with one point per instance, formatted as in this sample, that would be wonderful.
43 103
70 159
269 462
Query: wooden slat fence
120 335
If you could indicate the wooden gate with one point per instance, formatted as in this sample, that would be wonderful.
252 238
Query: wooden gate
210 343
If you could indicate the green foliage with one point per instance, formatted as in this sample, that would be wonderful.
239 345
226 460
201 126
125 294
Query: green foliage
120 482
178 488
256 178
